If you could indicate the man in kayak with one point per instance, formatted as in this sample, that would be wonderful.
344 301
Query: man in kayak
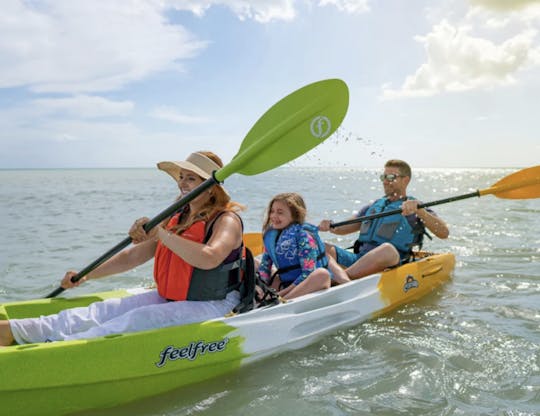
196 256
387 241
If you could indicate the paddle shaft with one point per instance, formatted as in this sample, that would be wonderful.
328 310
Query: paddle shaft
523 184
398 211
286 131
147 227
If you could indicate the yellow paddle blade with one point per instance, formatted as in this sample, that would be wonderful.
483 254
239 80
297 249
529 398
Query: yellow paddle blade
523 184
254 242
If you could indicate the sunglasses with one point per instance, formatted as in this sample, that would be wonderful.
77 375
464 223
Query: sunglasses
390 177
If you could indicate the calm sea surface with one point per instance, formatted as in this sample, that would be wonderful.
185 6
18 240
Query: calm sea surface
472 348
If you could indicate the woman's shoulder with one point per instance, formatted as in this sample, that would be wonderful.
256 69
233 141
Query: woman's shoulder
226 218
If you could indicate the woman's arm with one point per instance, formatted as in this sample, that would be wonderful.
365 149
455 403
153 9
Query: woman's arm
119 263
126 260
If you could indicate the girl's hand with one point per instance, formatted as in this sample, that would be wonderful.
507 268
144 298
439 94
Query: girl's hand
259 293
284 292
67 283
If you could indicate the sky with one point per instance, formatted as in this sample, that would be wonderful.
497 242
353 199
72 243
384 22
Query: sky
127 83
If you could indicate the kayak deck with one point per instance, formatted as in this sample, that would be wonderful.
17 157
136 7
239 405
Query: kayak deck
68 376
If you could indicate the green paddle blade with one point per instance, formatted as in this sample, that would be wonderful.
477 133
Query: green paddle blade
523 184
290 128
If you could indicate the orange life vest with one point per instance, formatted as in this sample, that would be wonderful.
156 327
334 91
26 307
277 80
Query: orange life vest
172 273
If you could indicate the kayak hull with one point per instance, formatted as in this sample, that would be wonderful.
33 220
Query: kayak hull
64 377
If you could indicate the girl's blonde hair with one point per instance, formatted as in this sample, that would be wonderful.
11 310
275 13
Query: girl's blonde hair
218 201
295 203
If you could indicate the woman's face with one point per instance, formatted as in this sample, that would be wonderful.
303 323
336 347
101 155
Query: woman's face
280 215
187 182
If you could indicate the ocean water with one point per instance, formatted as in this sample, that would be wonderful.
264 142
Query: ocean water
471 348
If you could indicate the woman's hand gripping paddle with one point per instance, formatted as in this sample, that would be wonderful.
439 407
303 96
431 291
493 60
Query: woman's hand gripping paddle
290 128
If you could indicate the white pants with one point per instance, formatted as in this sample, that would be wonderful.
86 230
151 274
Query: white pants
113 316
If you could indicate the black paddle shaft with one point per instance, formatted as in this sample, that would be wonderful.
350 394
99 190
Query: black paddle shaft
147 227
398 211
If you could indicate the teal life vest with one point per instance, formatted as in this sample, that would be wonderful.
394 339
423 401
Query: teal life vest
281 246
394 229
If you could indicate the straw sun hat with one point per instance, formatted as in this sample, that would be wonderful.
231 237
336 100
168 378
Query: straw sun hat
196 162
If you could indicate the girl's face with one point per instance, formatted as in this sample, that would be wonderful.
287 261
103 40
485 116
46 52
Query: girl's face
280 215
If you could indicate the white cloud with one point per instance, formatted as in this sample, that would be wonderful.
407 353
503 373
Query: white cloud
91 131
505 13
262 11
36 116
172 115
504 5
83 106
460 61
84 46
66 46
349 6
65 120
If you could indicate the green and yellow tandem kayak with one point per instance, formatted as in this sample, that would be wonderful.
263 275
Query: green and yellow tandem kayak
64 377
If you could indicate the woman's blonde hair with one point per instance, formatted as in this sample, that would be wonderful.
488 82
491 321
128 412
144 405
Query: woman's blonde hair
219 200
296 204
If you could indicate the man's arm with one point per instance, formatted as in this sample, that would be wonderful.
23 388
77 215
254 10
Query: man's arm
431 221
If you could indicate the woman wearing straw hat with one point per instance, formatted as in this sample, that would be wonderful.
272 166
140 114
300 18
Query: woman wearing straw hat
196 268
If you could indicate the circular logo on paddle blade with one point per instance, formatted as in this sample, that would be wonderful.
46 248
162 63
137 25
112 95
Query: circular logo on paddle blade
320 127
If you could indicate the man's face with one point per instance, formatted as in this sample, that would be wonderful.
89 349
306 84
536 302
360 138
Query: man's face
394 183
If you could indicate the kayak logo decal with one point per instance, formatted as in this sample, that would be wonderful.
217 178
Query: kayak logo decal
320 127
191 351
410 283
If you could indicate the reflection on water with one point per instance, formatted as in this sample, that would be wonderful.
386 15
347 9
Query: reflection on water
472 348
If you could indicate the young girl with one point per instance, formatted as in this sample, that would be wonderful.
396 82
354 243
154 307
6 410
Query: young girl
295 249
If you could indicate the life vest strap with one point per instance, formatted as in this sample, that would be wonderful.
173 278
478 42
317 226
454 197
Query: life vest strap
246 285
270 295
